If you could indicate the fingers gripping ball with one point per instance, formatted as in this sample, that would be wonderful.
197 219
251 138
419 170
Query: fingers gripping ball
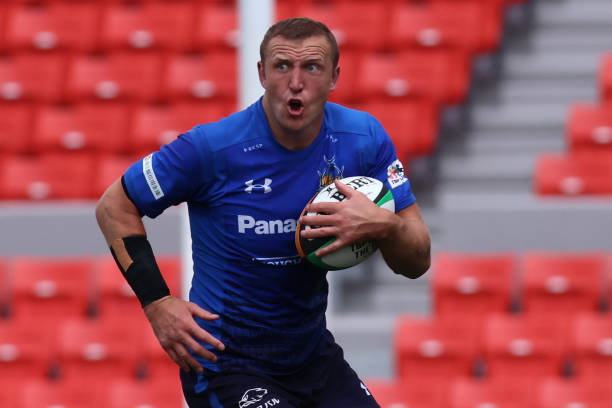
349 255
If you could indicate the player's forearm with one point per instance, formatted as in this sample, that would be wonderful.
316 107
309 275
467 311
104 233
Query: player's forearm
407 247
117 216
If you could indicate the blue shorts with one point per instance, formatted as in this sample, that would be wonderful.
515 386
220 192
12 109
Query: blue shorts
327 382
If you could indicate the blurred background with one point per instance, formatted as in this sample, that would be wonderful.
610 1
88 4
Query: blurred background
501 110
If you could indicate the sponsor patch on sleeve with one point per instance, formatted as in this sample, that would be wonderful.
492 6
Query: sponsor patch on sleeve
395 174
147 169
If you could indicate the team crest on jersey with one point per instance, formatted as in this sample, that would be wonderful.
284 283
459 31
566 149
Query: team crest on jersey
330 172
395 174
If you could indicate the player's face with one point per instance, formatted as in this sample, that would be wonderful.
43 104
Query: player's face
298 76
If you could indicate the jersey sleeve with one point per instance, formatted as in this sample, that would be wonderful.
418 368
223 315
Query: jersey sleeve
388 167
166 177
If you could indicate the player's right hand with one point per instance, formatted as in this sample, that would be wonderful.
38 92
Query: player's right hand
173 323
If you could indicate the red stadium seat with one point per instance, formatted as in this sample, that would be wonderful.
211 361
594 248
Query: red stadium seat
26 350
148 25
202 76
403 394
116 298
437 74
52 26
589 127
155 125
411 124
97 127
522 348
557 392
432 350
216 26
574 175
348 19
49 176
51 288
557 285
32 77
132 76
68 394
110 168
15 127
471 26
591 345
505 393
91 350
130 394
350 62
469 286
605 78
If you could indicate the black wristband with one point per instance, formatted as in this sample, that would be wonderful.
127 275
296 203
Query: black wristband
134 257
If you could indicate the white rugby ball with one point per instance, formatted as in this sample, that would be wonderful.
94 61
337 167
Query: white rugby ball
349 255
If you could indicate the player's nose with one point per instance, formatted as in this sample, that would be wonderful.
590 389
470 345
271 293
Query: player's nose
296 83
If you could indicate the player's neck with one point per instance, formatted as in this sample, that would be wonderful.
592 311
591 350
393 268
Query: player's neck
293 139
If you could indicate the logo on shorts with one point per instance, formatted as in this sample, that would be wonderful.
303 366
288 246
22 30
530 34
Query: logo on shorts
395 174
255 395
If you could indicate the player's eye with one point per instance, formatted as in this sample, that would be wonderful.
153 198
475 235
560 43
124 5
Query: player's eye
282 66
312 67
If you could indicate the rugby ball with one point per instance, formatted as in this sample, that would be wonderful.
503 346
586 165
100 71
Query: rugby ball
349 255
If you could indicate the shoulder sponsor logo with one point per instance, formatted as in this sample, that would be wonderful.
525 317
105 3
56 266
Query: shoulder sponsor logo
258 188
147 169
265 227
395 174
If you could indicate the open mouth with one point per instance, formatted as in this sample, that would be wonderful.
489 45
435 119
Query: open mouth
295 106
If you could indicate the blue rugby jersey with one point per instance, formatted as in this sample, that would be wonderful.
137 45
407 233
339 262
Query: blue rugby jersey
245 192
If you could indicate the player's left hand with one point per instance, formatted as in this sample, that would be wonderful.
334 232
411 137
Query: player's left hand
355 219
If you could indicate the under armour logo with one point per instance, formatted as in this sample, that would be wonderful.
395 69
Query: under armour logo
265 187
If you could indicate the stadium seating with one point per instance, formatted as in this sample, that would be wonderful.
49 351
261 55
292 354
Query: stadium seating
432 351
69 26
201 76
216 27
50 289
468 392
47 176
158 124
589 128
556 392
472 26
15 127
574 175
92 350
605 78
557 285
94 127
130 394
26 351
32 77
469 286
40 393
110 168
115 76
522 348
412 125
402 394
148 25
591 345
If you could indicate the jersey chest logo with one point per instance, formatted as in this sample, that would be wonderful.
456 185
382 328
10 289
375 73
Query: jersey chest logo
258 188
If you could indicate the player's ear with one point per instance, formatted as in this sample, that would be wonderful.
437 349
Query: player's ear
334 78
262 74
